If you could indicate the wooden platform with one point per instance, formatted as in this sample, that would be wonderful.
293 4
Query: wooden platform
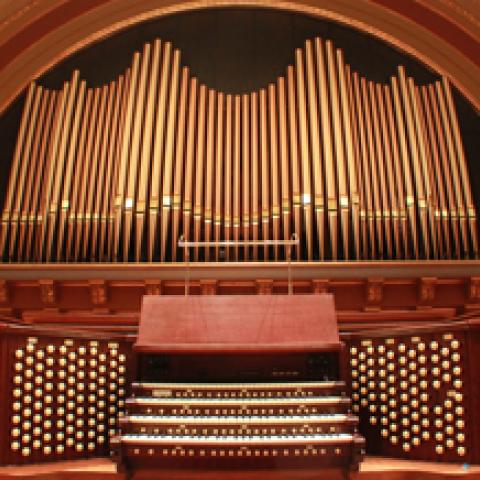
373 468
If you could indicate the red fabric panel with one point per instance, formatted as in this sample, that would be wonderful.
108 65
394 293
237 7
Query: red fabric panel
237 323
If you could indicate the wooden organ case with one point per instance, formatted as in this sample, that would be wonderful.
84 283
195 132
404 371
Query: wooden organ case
238 382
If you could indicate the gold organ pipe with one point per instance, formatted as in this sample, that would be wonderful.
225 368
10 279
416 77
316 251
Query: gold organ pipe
199 166
426 159
116 168
236 170
134 153
316 140
389 170
219 172
120 200
117 89
25 166
210 177
397 171
350 155
447 173
93 177
304 154
294 158
371 167
274 170
264 170
336 184
362 207
55 209
405 166
73 217
457 161
444 238
87 160
189 158
34 161
32 242
378 158
227 219
462 161
169 153
245 171
455 170
459 211
284 159
38 233
15 168
179 160
254 169
341 200
370 212
157 95
145 162
67 181
158 148
102 180
417 168
423 161
49 179
25 250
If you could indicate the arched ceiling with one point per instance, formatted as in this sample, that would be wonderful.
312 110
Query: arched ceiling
37 34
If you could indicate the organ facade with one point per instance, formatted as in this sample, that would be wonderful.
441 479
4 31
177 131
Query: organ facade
357 169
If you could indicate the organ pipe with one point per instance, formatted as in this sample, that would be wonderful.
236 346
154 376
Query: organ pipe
314 130
447 172
354 197
179 159
119 172
24 169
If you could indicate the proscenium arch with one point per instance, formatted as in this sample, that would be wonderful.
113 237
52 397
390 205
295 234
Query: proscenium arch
102 18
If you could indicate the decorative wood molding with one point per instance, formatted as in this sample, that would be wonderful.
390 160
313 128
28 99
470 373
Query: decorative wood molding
4 294
122 294
153 287
98 294
264 286
426 292
473 294
48 294
320 286
374 294
5 308
208 287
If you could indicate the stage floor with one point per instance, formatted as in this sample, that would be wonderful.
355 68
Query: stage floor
373 468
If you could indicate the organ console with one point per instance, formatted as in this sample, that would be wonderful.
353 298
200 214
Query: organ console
411 391
357 169
222 386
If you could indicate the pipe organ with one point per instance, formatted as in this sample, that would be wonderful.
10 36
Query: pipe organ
357 169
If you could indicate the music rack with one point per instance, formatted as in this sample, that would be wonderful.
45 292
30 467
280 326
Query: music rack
293 242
